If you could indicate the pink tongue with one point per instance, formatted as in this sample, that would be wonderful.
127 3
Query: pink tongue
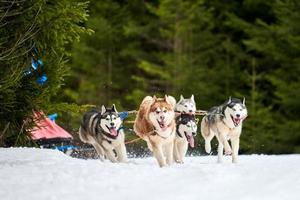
162 126
113 132
191 141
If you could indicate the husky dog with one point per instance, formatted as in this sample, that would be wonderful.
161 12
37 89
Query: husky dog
155 124
186 129
187 106
105 132
224 122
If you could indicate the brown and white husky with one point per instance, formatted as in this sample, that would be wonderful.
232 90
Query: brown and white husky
155 123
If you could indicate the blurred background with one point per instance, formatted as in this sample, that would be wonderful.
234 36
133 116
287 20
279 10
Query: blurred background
109 51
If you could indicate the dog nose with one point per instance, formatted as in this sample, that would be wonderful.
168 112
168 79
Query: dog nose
112 124
194 133
162 117
238 115
191 111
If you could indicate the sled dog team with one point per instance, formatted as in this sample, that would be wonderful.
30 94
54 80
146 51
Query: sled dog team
167 127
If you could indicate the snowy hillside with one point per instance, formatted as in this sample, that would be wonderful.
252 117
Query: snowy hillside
30 174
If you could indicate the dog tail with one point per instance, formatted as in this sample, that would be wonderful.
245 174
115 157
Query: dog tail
83 135
206 134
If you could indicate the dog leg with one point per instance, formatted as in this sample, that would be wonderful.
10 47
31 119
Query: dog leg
225 143
121 153
207 134
235 143
208 141
110 155
158 154
220 152
182 151
169 152
99 150
176 151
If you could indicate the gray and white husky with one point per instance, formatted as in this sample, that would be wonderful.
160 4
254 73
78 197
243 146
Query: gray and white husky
225 122
186 130
105 132
186 106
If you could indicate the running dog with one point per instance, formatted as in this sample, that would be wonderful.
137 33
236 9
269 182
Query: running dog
186 130
225 122
155 123
186 106
105 132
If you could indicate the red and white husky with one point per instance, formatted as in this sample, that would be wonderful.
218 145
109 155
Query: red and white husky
155 124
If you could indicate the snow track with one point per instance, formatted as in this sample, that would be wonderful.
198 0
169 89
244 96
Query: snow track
29 174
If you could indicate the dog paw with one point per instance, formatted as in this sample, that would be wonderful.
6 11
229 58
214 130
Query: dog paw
228 152
179 161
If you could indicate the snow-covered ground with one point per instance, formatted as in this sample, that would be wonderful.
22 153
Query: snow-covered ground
29 174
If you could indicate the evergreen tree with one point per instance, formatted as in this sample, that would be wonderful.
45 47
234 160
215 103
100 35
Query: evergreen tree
41 31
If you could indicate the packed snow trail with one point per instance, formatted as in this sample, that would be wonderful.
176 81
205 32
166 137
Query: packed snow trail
40 174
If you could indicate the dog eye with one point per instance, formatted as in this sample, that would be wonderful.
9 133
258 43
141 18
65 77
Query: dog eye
233 109
240 109
107 118
165 111
188 125
157 112
185 106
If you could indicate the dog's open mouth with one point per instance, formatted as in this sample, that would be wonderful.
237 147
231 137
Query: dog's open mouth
236 121
190 139
162 125
113 130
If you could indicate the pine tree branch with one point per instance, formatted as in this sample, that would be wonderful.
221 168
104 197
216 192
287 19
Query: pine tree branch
6 55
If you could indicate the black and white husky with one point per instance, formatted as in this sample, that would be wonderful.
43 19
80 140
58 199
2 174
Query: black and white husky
186 130
224 122
105 132
186 127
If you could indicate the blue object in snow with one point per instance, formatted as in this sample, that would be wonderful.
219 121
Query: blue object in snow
65 147
53 117
123 115
42 80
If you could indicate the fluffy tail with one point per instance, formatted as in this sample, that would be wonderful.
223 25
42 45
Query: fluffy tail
82 135
206 134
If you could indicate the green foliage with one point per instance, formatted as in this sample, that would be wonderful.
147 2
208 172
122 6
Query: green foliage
51 27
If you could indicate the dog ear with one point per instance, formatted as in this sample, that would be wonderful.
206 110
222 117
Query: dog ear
166 99
103 109
171 100
154 98
244 100
192 98
113 108
181 97
229 100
